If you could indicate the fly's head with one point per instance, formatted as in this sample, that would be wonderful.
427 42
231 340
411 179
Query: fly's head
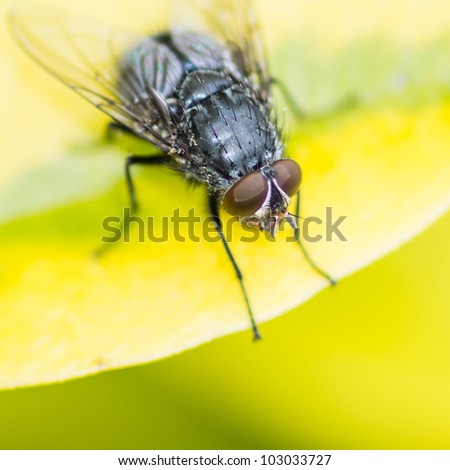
261 198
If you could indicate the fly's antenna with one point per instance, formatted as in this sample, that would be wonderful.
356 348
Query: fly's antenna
296 216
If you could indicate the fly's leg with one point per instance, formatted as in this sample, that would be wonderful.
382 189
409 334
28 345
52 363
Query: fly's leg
138 160
214 211
129 162
116 128
303 248
298 112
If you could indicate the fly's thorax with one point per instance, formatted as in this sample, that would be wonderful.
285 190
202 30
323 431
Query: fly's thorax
261 198
229 132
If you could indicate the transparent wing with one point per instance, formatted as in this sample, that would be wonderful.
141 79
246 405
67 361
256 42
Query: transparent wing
234 24
88 58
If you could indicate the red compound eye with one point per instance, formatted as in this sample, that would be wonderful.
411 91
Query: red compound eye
247 195
288 175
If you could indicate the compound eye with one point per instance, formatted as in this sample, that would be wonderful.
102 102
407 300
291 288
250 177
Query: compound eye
288 175
247 195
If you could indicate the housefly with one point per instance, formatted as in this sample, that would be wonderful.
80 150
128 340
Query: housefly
199 92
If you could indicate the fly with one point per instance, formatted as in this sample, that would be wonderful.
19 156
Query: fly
202 96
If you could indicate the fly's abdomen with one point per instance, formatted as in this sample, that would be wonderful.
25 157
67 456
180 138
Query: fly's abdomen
163 61
200 86
150 64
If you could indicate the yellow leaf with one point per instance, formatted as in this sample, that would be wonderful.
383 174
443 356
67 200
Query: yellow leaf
64 314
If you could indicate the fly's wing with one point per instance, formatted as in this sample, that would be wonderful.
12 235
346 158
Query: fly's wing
89 59
234 25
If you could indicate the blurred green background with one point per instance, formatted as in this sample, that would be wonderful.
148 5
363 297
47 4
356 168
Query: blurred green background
364 365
